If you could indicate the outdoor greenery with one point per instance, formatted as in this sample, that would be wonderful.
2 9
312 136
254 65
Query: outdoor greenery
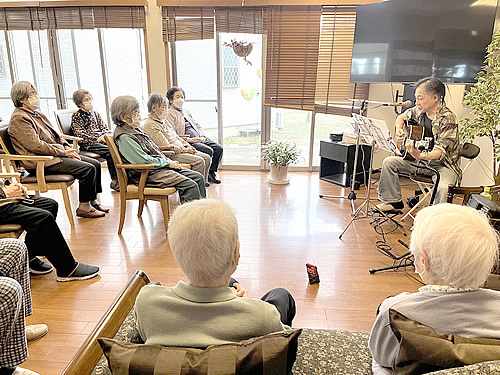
484 101
280 154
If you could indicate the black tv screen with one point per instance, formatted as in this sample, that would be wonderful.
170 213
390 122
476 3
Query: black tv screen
405 40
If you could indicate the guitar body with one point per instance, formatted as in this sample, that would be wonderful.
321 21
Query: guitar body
415 133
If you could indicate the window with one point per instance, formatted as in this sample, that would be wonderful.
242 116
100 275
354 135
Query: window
106 62
230 68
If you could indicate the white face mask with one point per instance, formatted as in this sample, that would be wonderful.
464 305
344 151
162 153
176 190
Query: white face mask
163 115
34 102
136 120
88 106
178 103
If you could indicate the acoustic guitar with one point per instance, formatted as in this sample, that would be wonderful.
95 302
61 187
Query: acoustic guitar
414 132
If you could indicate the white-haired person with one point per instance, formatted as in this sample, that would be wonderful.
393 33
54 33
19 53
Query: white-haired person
136 147
32 134
455 248
161 131
87 124
15 305
203 237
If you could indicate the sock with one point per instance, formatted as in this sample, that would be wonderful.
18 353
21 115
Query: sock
95 201
85 206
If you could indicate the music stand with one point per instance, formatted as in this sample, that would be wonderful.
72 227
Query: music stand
352 194
376 133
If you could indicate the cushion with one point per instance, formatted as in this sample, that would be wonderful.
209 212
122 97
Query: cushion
422 350
270 354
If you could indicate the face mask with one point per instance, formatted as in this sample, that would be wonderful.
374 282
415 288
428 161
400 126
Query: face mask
136 120
88 106
178 103
34 102
163 115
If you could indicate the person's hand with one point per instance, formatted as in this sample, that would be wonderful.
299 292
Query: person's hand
410 148
16 190
239 291
101 139
191 150
72 153
400 135
175 165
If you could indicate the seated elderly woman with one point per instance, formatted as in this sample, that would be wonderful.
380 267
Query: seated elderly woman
88 125
203 237
164 135
33 134
455 249
184 124
136 147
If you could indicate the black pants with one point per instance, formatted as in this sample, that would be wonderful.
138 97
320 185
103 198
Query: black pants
104 153
213 149
282 300
87 171
43 234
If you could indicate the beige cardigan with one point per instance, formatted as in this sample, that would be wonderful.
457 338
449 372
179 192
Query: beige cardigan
32 134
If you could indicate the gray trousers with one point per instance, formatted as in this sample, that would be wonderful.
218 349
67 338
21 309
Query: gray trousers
389 189
200 162
15 302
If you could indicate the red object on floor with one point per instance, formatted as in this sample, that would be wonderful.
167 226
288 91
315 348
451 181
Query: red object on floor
312 272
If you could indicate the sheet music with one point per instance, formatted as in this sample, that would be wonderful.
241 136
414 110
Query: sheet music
374 130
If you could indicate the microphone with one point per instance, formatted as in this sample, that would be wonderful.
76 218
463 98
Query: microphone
408 103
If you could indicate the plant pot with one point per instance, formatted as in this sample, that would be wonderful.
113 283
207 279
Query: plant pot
243 51
278 176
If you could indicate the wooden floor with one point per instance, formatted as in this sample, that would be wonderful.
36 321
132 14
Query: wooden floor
281 228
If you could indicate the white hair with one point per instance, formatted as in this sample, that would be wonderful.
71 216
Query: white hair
459 241
203 236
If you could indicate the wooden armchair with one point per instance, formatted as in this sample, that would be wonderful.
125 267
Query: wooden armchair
130 191
90 352
38 182
467 191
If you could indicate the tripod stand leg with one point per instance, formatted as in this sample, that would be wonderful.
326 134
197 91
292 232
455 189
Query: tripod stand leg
354 216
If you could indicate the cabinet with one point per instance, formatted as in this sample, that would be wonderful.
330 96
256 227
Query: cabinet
337 162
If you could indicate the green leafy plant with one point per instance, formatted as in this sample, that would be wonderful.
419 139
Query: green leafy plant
484 101
280 154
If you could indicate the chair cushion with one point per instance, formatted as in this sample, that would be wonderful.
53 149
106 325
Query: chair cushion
151 191
90 154
48 178
273 353
422 350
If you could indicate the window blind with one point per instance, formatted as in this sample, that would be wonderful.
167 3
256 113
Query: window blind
292 56
250 20
187 23
334 62
41 18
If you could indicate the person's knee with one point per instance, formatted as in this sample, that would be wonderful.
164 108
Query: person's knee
12 294
16 250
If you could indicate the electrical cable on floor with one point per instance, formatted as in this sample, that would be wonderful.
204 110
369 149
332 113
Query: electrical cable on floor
385 247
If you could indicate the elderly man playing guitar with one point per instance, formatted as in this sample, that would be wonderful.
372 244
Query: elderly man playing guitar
440 127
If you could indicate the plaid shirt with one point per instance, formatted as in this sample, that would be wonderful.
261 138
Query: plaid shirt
89 126
16 305
445 132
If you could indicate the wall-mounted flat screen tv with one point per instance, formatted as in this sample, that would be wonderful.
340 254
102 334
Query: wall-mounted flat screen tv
405 40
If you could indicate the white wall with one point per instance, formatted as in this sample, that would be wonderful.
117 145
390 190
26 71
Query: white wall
479 172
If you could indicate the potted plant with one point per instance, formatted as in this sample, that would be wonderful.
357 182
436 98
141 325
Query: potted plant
279 155
241 48
484 101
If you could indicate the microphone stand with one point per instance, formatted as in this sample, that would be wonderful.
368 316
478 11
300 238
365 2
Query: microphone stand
352 194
